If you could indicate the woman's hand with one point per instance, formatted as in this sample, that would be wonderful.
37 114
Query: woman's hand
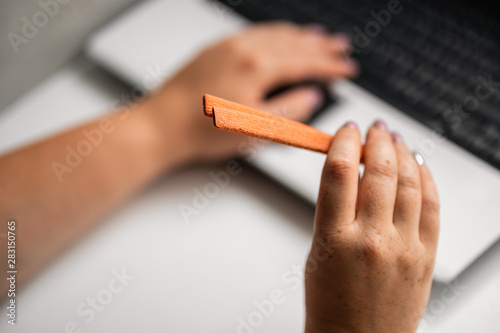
244 68
372 257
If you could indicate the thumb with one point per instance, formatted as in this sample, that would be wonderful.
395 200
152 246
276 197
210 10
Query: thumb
297 103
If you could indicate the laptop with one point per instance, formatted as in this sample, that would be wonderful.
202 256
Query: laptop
431 69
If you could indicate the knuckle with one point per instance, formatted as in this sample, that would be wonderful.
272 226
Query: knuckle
253 61
431 205
404 267
415 265
382 169
247 57
409 181
234 45
340 167
427 270
405 261
371 250
371 254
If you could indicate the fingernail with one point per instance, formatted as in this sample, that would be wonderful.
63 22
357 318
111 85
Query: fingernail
344 42
317 28
351 124
343 38
380 125
316 97
353 66
396 137
418 157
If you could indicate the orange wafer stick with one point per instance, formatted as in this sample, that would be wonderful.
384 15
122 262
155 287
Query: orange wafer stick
234 117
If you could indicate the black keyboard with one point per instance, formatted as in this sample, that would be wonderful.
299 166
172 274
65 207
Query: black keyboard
437 61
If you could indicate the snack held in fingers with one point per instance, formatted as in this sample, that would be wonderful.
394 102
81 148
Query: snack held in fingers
234 117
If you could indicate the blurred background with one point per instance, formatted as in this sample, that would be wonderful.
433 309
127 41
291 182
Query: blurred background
57 41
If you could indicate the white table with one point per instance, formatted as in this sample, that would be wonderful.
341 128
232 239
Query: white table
248 245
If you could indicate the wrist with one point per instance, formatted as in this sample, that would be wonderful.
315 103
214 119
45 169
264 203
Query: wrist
163 113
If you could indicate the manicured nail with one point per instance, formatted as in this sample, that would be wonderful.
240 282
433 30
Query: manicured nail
352 67
418 157
396 137
345 38
380 125
316 97
344 41
351 124
317 28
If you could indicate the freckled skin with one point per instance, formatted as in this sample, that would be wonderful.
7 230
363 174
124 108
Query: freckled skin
379 273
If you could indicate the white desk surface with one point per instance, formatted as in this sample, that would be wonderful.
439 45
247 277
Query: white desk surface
197 277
